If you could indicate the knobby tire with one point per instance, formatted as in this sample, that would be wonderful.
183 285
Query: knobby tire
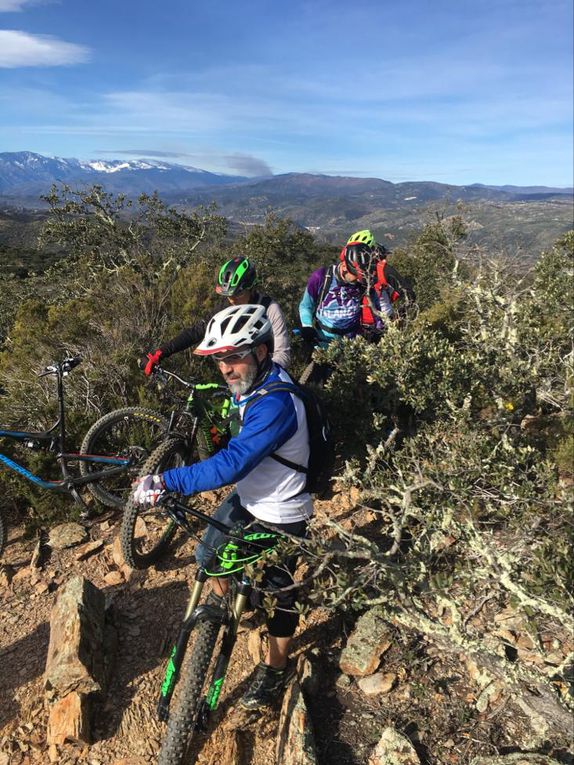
307 373
2 533
169 454
131 432
190 691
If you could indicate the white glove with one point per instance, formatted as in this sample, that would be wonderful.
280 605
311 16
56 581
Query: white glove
148 489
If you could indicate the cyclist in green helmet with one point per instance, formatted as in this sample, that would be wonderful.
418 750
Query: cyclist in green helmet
236 281
391 288
363 237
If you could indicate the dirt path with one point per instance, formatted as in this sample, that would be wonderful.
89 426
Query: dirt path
433 701
146 609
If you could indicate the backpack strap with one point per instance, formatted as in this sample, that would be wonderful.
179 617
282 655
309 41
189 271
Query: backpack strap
381 275
273 387
329 274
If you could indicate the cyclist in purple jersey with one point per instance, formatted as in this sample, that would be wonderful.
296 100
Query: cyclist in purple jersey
331 305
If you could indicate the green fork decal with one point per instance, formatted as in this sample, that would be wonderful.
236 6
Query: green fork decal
259 535
167 685
214 693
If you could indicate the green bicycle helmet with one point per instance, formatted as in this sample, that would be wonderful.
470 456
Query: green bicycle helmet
237 275
363 237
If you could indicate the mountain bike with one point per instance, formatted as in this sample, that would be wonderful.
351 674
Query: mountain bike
104 466
132 431
215 627
197 428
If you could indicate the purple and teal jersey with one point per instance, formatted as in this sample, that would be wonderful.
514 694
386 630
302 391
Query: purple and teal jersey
340 308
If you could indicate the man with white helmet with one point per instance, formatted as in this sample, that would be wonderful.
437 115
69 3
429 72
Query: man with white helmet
267 461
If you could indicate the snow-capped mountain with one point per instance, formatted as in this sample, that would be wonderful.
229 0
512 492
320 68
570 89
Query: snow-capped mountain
27 173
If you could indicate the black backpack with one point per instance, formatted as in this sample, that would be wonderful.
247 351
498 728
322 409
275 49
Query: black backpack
321 445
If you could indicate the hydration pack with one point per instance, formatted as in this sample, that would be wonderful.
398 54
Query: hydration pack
321 446
396 286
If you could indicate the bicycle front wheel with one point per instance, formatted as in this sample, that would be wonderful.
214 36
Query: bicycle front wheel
307 373
132 432
147 531
191 691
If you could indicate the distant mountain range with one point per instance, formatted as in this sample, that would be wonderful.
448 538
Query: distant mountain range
25 174
513 218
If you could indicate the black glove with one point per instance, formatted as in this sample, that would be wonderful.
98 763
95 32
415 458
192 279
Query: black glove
308 334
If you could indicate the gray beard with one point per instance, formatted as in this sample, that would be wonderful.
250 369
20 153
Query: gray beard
242 386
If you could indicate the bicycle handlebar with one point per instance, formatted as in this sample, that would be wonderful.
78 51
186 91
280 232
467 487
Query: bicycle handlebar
169 502
160 372
63 367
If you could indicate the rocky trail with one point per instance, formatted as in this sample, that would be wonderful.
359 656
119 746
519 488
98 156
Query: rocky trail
387 698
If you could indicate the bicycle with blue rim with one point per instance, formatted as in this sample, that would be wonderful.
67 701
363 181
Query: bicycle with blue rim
104 466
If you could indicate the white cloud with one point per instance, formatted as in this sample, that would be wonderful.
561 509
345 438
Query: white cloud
19 49
14 5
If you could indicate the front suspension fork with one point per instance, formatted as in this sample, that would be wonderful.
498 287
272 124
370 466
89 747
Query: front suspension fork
178 651
227 644
194 614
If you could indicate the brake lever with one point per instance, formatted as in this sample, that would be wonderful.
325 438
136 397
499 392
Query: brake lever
51 370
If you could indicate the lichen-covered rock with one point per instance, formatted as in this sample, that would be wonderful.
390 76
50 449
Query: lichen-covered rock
67 535
393 749
295 741
75 652
367 643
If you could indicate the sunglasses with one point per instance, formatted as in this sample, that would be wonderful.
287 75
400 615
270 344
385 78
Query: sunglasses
231 358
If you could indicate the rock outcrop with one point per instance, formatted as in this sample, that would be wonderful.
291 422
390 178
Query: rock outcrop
75 667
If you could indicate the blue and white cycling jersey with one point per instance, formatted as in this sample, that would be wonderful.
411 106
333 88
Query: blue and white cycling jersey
270 491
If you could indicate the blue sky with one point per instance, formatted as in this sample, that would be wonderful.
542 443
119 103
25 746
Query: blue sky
456 91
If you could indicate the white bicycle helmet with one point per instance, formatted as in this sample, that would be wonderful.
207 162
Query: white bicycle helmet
236 327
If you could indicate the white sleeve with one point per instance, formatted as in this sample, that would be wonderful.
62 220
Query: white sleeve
282 345
386 307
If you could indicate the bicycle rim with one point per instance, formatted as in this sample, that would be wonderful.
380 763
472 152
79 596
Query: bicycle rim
132 432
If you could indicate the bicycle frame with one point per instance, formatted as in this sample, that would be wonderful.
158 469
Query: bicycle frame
54 440
185 421
194 613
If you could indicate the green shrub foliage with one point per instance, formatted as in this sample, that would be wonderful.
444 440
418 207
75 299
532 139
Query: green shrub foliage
461 414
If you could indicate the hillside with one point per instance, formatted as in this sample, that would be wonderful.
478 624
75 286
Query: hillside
518 220
448 529
521 229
